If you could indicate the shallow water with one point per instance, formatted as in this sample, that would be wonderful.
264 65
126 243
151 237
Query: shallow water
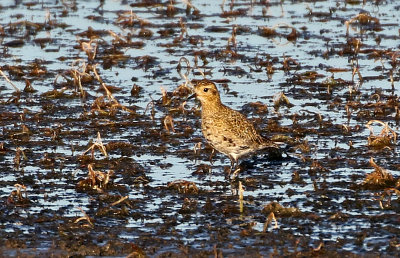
42 42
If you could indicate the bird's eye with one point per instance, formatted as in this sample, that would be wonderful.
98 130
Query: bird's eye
205 89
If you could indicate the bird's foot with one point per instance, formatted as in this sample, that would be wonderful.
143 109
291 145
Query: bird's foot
233 175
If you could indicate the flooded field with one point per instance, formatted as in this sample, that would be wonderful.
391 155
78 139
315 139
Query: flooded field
101 151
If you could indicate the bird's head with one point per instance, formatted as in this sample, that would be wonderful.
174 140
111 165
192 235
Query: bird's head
206 92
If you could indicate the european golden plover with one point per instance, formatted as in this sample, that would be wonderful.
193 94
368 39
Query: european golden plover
225 129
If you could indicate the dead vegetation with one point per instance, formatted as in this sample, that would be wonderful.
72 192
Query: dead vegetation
379 178
19 196
387 138
96 180
183 186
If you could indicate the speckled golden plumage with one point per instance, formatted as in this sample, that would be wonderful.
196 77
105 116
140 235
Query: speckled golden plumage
225 129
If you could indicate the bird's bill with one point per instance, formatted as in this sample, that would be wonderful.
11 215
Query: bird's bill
192 96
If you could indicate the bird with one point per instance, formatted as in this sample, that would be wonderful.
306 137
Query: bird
228 131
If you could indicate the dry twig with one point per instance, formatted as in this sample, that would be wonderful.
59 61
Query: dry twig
9 81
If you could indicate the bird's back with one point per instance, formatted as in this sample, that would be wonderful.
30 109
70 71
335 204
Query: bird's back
229 132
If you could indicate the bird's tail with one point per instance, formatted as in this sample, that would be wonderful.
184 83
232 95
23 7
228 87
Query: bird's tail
274 149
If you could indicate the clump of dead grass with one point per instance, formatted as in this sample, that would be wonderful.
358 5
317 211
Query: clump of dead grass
379 178
386 139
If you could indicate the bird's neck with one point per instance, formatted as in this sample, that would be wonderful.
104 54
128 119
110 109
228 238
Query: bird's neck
211 107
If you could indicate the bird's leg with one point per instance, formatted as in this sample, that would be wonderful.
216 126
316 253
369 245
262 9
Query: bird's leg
234 168
235 173
211 156
232 165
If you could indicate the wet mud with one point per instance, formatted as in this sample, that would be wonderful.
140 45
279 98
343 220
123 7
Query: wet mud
101 152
